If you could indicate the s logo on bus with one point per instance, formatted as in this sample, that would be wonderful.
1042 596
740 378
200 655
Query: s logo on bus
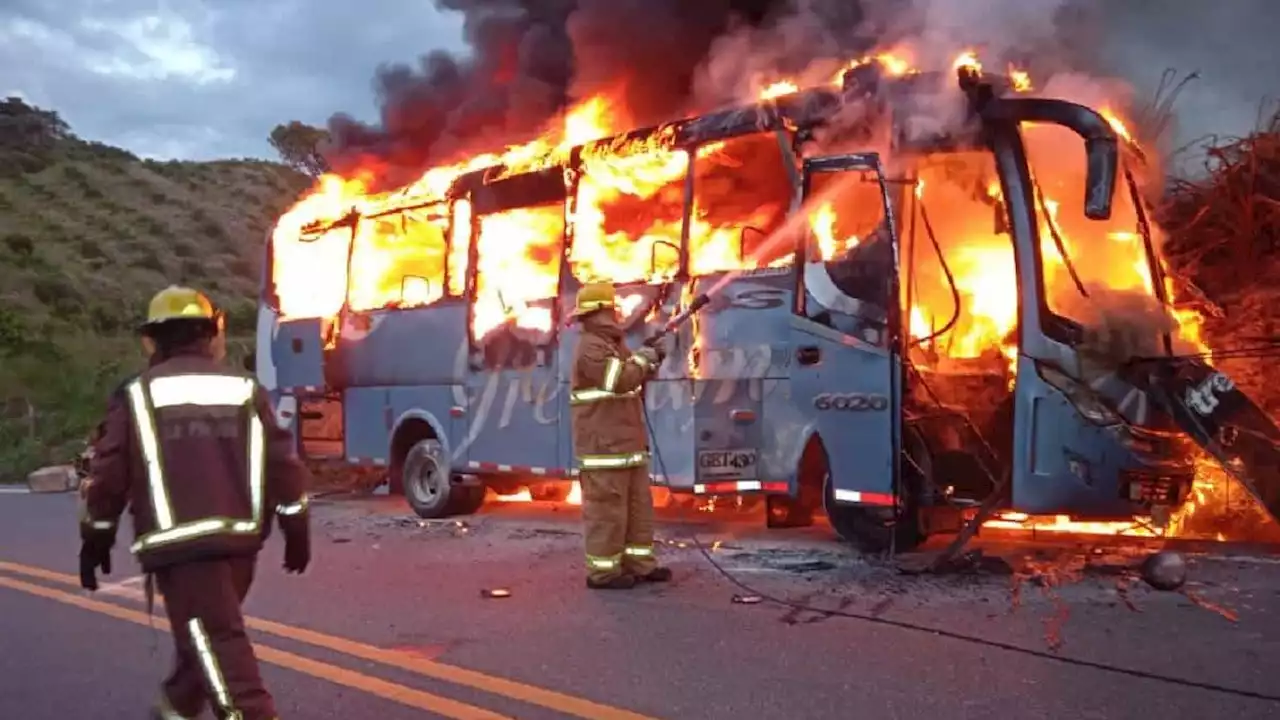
758 298
855 402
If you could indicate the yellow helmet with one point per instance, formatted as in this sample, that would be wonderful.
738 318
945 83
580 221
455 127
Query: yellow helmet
180 303
594 296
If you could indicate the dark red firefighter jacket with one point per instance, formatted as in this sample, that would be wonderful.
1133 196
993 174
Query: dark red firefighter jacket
193 450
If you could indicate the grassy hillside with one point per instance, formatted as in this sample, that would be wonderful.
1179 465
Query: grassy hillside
87 233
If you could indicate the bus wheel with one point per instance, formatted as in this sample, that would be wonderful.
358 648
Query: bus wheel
425 474
465 499
877 529
874 529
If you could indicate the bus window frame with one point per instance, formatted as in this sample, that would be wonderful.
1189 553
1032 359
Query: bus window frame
544 349
447 208
271 295
691 195
574 173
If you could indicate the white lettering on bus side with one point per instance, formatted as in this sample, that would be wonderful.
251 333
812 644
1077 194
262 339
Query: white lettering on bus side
513 394
543 398
478 419
544 401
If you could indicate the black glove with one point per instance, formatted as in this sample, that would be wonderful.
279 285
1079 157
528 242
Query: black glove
95 553
662 349
297 542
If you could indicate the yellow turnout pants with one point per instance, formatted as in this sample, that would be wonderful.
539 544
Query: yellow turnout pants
617 515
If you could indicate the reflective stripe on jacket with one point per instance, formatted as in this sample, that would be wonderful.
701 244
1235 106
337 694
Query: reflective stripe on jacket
605 401
194 449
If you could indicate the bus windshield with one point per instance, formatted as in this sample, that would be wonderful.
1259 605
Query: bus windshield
961 284
1096 273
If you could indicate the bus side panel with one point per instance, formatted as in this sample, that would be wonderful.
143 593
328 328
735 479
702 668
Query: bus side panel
297 352
847 388
1067 466
727 434
742 346
670 410
368 435
784 430
512 419
414 346
387 409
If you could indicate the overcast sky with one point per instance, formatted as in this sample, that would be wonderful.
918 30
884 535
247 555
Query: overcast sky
209 78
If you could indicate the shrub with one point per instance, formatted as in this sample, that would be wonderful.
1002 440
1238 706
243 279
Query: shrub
20 245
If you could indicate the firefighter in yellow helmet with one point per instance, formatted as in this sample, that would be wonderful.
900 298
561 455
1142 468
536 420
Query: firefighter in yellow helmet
193 450
612 445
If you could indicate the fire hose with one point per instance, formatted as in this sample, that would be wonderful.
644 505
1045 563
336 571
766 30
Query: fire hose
673 324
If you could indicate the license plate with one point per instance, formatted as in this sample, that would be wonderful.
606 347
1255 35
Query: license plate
727 465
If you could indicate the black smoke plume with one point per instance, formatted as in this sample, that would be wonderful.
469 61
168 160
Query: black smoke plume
662 59
529 59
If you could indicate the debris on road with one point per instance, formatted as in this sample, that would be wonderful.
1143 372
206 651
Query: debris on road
747 599
1165 570
1225 612
495 593
53 479
972 561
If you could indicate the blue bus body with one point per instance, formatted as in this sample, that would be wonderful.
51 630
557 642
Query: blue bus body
768 390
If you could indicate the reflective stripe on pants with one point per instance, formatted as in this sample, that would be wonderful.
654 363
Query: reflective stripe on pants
617 516
613 461
214 661
212 671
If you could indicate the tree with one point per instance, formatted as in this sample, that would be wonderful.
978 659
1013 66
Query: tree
299 146
28 128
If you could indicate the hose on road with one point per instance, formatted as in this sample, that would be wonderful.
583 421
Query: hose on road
938 632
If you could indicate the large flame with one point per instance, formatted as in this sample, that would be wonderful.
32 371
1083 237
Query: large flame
628 213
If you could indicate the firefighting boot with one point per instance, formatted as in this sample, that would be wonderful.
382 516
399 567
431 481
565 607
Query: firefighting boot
620 582
656 575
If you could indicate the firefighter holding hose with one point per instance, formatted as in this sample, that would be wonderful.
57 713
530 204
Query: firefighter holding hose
612 445
194 450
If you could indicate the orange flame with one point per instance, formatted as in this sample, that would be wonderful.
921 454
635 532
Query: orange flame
628 213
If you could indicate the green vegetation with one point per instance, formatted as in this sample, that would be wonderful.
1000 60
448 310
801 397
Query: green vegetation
88 232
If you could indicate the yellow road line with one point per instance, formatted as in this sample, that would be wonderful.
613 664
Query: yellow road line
416 699
533 695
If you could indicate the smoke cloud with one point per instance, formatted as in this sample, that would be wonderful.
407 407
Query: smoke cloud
662 59
531 58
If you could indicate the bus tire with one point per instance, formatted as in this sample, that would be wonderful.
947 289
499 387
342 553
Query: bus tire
879 530
465 499
425 476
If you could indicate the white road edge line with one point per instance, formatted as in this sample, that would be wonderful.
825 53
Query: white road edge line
15 491
124 588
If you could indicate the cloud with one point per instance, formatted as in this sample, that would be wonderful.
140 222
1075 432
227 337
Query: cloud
1229 43
210 78
207 78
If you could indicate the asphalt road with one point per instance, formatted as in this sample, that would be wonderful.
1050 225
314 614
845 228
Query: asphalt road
389 623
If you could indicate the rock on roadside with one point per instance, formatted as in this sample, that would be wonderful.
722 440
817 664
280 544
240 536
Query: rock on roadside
53 479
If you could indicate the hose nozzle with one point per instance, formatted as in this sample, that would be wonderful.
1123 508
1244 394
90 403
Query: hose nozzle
679 319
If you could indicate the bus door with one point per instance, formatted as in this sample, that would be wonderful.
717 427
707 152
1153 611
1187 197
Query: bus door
845 369
309 287
512 390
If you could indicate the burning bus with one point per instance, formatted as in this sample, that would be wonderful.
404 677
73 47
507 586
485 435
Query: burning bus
905 320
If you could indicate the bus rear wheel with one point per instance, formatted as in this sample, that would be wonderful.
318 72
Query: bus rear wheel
428 487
